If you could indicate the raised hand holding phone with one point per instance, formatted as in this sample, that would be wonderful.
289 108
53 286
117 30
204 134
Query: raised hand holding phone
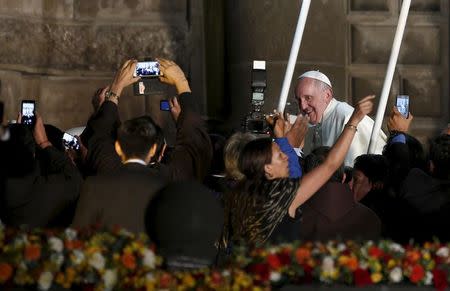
402 104
27 112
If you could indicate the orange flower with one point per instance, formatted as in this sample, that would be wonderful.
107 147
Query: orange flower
349 262
129 261
32 252
5 272
413 256
302 255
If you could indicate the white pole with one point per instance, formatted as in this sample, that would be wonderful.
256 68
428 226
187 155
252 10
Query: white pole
389 74
294 53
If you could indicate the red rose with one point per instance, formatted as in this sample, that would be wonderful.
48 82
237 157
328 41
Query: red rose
216 278
417 273
440 279
273 261
165 280
285 258
262 270
362 277
375 252
6 272
32 252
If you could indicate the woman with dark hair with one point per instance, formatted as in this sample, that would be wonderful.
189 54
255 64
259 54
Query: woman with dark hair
265 204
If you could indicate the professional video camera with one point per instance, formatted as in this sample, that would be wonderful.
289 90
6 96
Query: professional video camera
255 121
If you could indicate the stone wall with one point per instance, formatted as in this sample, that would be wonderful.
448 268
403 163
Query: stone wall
60 52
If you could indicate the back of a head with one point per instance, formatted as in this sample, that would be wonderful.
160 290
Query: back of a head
254 156
317 157
160 143
374 167
440 156
18 152
416 152
185 220
136 136
232 151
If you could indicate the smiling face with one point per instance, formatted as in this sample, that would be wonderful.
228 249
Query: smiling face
279 165
313 98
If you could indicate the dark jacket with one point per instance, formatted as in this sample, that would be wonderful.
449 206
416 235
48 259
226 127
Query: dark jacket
332 213
45 197
118 199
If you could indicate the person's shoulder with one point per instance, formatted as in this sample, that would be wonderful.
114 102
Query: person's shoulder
343 107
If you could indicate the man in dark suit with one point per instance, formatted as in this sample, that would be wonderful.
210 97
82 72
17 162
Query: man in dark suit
120 198
124 183
40 183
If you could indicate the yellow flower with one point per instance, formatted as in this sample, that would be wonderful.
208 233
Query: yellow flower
391 264
431 265
376 277
335 274
342 260
189 280
377 266
426 255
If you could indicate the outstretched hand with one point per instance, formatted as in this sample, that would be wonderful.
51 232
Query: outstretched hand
397 122
362 108
297 132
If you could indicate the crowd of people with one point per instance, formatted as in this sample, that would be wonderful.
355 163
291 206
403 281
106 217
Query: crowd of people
204 195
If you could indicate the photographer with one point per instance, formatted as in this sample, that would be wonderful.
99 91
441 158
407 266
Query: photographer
121 157
41 184
192 153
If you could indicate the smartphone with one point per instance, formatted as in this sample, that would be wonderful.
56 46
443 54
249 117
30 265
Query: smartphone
164 105
70 142
147 69
402 104
28 110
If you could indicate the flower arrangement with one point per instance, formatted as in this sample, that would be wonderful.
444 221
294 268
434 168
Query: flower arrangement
350 263
119 260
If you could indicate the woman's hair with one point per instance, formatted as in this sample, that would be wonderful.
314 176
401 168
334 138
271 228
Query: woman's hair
232 152
255 155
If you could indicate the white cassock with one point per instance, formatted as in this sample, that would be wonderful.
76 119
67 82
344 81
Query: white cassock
334 118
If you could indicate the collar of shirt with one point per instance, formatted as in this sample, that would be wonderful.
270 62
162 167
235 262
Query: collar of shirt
333 103
137 161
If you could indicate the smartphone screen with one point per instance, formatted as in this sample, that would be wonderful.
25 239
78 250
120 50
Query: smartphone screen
147 69
164 105
28 109
402 104
70 142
